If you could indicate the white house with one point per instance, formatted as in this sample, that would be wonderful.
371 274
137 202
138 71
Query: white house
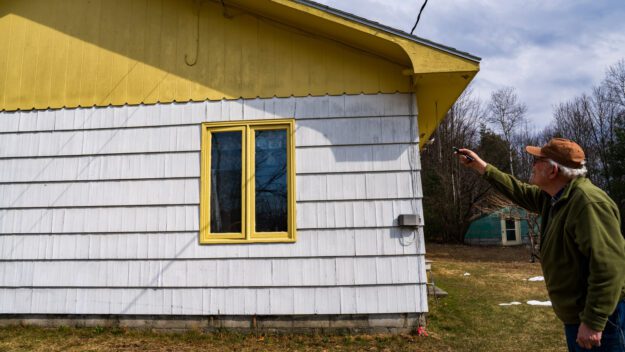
238 163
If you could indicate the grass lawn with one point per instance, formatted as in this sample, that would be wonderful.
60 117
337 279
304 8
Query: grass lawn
469 319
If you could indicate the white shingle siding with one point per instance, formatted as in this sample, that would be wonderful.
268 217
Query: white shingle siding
183 245
99 212
209 301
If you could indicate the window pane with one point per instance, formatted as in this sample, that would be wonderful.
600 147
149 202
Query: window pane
271 181
510 230
225 193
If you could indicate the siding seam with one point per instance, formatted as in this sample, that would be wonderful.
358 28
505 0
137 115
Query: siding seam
193 124
210 287
368 256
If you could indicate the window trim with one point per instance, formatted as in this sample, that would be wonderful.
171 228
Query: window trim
248 205
517 232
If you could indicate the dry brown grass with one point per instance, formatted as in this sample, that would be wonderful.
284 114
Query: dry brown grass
469 319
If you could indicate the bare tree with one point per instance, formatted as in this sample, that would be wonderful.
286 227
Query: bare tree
506 112
615 83
450 190
524 136
590 120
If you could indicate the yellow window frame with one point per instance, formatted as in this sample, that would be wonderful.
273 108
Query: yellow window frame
248 186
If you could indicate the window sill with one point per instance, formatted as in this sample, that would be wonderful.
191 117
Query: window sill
246 241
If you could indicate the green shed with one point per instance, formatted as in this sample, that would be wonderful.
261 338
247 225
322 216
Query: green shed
505 227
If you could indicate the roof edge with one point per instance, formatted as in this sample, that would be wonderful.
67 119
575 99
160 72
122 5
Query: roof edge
387 29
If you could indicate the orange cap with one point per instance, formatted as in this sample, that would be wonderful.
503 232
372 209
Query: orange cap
561 150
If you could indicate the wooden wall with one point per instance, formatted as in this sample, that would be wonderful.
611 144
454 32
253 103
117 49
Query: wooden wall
99 212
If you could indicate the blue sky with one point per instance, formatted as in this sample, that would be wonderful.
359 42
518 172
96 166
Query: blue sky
549 50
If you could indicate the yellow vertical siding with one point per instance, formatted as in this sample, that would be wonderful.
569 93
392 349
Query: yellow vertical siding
13 74
68 53
5 29
136 48
76 53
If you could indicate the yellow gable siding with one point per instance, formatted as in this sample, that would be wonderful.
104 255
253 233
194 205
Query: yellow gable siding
56 53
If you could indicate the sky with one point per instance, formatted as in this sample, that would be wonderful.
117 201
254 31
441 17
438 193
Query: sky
550 51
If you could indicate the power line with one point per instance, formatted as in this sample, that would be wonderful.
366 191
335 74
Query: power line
419 17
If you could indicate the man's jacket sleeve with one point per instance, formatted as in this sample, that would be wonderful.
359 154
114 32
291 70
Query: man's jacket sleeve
598 235
523 194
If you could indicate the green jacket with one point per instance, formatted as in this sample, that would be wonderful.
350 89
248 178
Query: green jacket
582 249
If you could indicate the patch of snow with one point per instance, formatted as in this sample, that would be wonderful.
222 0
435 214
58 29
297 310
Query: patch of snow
467 274
510 304
536 278
539 303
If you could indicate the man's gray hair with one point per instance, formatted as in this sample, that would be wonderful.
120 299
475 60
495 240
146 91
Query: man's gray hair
568 172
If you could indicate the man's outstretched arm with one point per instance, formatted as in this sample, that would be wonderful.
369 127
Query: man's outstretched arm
525 195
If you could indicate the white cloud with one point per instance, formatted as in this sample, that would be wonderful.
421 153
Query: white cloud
545 76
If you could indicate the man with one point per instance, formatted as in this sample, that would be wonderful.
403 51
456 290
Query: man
582 248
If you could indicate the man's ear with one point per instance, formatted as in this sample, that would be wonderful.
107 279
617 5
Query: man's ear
554 172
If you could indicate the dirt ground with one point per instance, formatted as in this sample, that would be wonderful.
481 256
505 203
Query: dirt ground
496 254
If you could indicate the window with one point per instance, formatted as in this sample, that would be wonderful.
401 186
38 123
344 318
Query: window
247 182
510 231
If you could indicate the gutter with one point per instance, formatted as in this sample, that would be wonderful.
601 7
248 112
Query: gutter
387 29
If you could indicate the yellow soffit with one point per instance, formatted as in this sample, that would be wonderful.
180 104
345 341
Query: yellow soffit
146 52
425 56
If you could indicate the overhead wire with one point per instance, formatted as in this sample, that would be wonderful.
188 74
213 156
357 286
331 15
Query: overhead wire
418 17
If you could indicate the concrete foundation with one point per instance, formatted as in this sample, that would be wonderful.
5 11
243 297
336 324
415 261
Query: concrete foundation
364 323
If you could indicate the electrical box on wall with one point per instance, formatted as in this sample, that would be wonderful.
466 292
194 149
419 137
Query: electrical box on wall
409 220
